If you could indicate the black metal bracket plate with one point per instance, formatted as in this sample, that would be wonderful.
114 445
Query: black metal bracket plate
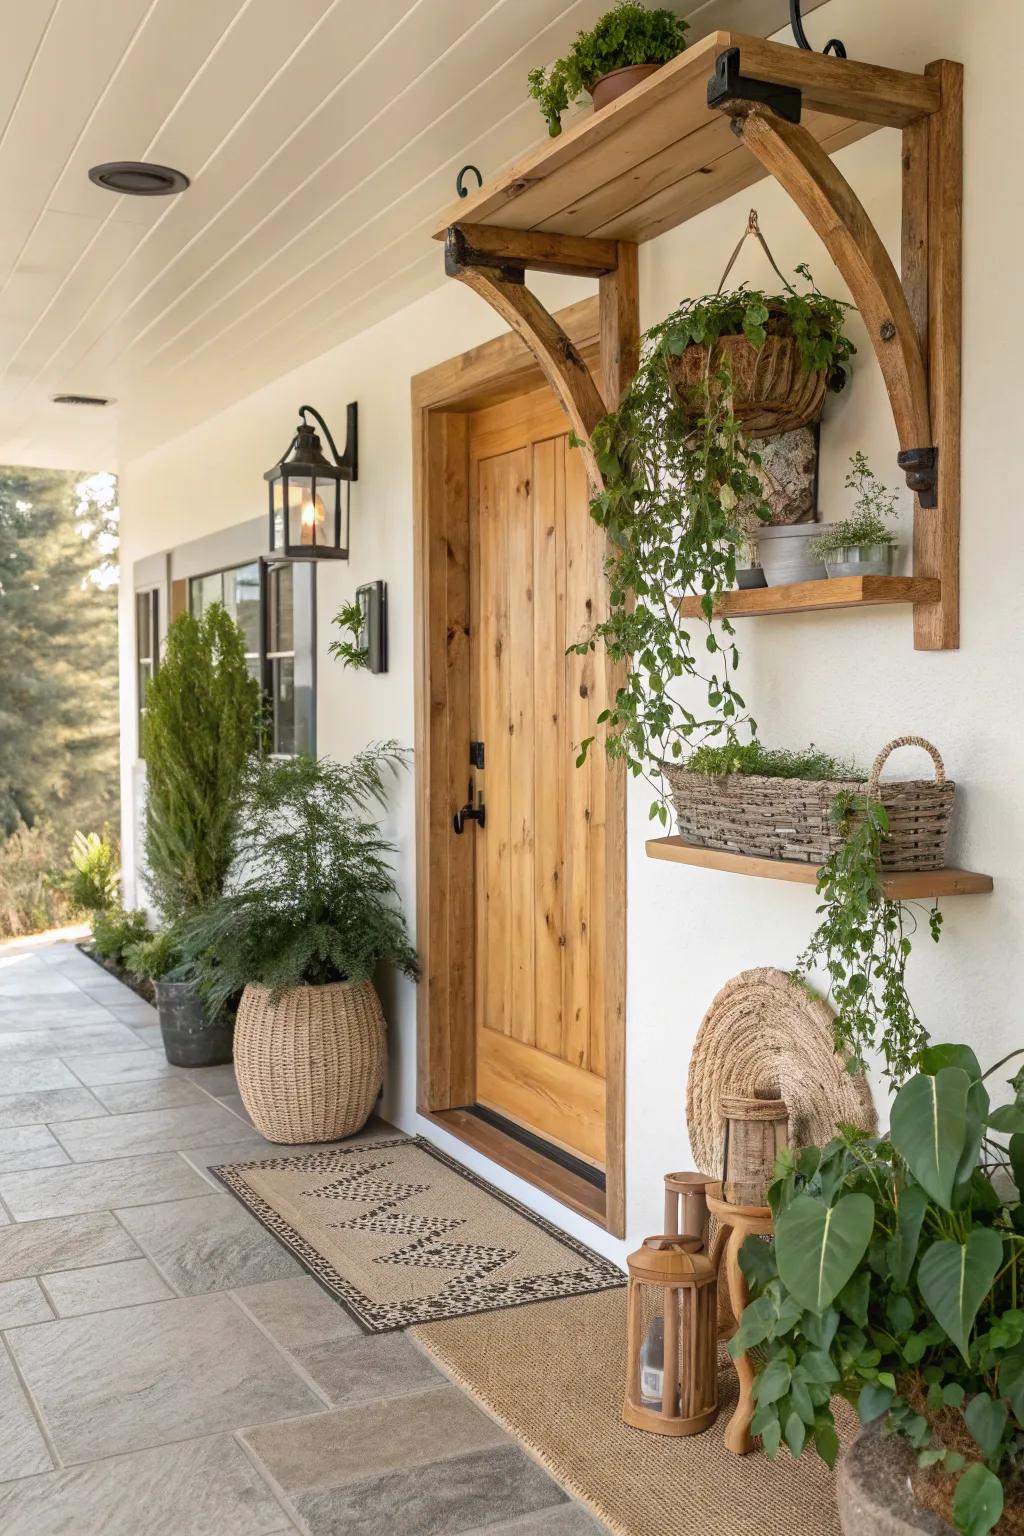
729 85
459 255
921 466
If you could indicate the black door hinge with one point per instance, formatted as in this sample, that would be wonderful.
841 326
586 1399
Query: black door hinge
476 754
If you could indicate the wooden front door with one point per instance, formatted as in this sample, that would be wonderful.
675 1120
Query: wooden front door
536 562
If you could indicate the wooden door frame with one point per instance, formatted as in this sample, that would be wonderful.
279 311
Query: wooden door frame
442 399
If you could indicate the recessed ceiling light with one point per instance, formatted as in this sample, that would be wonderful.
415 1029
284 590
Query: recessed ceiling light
135 178
82 400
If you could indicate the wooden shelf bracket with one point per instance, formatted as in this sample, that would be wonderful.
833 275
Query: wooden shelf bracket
493 262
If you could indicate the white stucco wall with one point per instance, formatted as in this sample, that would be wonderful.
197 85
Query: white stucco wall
848 683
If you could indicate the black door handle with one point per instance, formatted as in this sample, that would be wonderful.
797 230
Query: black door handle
470 812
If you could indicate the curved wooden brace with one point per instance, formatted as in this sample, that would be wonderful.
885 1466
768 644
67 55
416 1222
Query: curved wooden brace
830 205
558 359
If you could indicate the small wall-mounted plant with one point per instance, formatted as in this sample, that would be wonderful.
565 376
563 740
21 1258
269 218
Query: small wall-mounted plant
628 35
365 622
349 650
862 543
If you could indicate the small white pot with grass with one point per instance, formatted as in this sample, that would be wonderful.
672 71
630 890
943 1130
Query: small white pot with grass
861 544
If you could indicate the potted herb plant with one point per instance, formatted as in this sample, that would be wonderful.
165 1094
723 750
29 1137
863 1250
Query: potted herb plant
895 1279
680 490
627 44
861 544
313 915
201 724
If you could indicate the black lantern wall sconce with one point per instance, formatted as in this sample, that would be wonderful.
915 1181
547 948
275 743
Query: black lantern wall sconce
309 495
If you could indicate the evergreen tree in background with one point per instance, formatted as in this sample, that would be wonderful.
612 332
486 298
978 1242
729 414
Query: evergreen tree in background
58 674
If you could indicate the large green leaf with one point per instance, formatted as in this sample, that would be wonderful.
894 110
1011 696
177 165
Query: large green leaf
978 1501
928 1128
955 1278
1011 1383
986 1420
1016 1156
901 1250
818 1247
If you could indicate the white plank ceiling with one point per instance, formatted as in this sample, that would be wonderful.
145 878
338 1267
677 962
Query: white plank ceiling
320 136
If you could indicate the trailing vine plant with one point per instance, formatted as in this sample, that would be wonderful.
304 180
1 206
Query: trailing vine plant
680 491
863 942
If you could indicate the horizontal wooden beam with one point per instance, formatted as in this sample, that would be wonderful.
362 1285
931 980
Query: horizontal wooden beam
488 245
869 93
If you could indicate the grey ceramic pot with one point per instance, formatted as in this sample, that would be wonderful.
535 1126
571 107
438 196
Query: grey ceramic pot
190 1038
863 560
749 576
783 554
874 1494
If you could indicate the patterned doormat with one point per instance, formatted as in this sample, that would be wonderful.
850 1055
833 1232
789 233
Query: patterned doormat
400 1234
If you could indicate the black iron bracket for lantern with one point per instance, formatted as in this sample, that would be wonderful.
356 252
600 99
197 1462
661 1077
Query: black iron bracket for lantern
309 493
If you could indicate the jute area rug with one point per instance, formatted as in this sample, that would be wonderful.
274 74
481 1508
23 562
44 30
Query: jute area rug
400 1234
553 1376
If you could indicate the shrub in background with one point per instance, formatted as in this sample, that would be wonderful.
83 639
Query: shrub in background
202 721
31 898
93 881
116 931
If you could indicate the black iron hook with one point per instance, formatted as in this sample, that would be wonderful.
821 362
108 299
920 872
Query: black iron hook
796 22
460 189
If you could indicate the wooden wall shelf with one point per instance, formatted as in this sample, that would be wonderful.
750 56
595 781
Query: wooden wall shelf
659 155
818 596
910 886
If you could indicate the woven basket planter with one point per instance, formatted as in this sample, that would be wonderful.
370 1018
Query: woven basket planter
791 818
310 1066
771 391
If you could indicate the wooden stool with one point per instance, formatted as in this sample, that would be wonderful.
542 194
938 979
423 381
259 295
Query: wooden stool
735 1224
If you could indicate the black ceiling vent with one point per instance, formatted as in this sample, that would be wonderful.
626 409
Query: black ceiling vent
135 178
82 400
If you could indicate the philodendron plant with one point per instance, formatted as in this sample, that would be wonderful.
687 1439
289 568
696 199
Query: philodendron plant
896 1279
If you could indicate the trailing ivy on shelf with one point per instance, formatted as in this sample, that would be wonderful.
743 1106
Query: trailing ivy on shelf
680 495
863 942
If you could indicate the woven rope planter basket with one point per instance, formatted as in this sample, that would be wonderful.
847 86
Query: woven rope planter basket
771 391
310 1066
791 818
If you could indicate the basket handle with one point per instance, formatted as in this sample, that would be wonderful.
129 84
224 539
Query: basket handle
904 741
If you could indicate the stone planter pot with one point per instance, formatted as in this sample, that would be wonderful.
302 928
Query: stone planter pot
874 1493
190 1038
617 82
784 556
862 560
748 577
311 1065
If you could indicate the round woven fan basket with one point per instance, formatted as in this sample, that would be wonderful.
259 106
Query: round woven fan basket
311 1065
766 1036
771 391
775 818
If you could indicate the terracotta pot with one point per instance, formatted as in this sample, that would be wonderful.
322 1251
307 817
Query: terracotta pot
618 82
873 1490
310 1066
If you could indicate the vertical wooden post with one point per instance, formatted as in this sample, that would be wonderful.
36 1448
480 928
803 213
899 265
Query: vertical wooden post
938 226
619 304
619 298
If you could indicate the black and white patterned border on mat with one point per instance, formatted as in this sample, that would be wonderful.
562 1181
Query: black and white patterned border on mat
593 1274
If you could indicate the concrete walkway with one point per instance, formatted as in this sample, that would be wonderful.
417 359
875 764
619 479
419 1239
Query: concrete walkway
166 1367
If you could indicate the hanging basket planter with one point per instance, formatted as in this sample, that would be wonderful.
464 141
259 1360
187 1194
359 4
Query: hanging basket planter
778 818
771 392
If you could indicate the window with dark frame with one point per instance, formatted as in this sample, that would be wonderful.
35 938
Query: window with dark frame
261 599
147 647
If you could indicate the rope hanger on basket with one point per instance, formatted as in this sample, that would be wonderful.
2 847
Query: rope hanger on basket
753 228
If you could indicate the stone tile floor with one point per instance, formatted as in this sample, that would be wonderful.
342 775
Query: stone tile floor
165 1366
